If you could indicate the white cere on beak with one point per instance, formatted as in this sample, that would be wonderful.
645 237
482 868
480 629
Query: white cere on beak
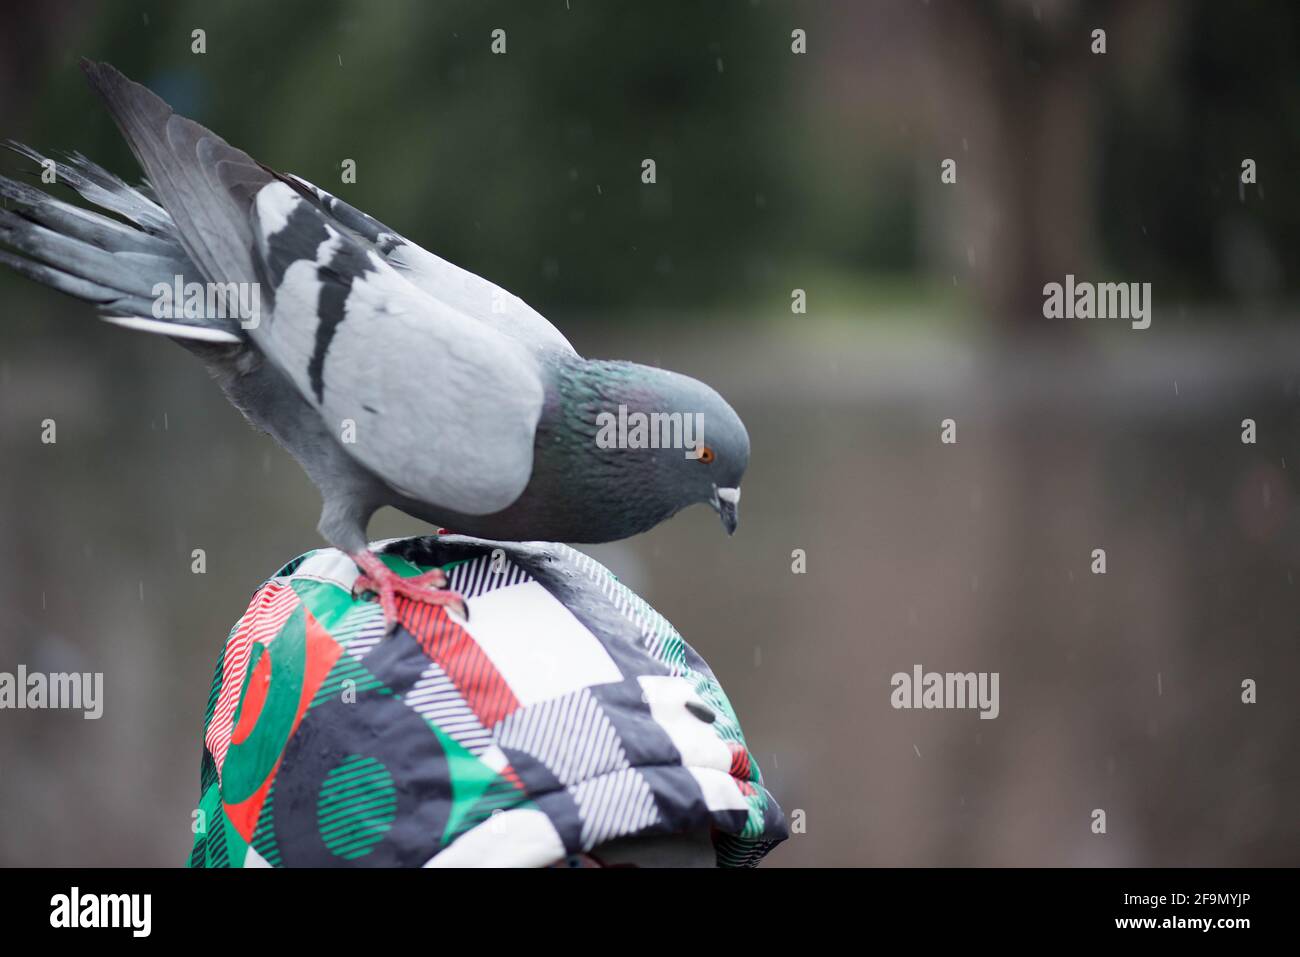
729 495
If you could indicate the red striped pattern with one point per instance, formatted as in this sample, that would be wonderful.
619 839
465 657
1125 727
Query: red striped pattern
510 774
459 655
266 615
741 769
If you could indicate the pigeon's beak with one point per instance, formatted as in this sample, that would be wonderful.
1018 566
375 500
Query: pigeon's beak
726 501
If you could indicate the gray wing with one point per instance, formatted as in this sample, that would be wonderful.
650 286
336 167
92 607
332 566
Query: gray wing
462 290
204 184
440 406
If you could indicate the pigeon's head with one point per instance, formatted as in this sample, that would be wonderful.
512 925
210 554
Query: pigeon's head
676 440
710 467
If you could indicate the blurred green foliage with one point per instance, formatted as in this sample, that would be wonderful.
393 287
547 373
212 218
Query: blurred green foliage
524 167
1171 145
773 169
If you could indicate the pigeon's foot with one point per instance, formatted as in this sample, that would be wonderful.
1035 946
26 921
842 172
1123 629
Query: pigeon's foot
429 588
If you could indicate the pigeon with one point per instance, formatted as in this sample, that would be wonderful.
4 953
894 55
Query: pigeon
392 376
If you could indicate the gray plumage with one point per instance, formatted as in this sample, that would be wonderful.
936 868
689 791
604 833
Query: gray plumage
392 376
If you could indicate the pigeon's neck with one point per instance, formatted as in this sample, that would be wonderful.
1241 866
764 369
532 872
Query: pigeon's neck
589 386
587 390
574 472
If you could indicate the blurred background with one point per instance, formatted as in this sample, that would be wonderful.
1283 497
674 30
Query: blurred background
776 172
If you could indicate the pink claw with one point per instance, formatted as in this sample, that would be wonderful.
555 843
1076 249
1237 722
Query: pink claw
428 587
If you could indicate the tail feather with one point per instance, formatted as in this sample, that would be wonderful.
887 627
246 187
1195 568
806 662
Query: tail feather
97 185
132 273
89 227
98 259
63 281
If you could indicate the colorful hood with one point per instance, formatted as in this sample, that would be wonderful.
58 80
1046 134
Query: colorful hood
565 713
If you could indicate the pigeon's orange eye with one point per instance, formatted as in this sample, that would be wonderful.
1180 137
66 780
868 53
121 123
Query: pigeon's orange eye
706 455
